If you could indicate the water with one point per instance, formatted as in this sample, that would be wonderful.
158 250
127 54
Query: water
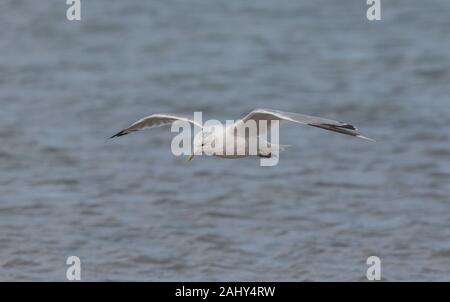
132 211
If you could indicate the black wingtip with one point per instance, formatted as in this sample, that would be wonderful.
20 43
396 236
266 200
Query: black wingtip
348 126
121 133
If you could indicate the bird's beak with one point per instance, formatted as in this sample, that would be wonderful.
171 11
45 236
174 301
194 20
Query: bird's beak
190 157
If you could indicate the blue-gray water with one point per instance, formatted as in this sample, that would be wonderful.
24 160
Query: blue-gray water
132 211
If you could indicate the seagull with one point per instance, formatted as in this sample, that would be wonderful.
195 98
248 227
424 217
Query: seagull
209 136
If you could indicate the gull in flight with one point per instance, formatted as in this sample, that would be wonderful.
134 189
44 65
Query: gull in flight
208 136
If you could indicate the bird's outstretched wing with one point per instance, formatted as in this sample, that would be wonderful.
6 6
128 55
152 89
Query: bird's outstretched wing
269 115
155 120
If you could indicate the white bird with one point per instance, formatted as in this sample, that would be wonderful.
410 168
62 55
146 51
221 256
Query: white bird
209 136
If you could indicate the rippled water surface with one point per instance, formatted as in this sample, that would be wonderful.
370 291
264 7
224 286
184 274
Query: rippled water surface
133 211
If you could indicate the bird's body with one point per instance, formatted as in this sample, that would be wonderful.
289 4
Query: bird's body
246 136
229 142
